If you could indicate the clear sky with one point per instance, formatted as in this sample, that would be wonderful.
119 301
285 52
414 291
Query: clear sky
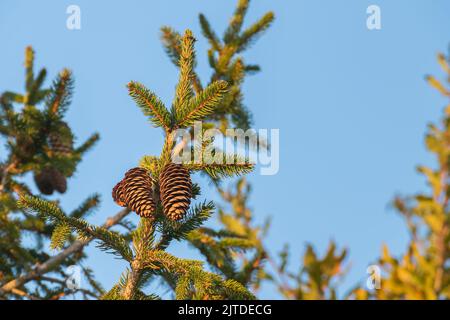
351 105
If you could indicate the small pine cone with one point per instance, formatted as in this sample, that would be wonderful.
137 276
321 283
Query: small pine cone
49 180
44 181
61 141
59 182
176 190
137 192
118 195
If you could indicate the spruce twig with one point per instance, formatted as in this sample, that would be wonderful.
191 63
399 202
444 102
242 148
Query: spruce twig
47 266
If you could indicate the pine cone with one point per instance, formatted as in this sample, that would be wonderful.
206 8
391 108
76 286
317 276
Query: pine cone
44 182
136 192
61 141
117 194
59 182
49 180
176 190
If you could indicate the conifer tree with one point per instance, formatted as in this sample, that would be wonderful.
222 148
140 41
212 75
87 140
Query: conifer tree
227 63
423 271
145 248
38 142
225 59
235 255
168 215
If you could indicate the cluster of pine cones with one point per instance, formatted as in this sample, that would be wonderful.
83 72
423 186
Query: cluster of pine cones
49 178
136 191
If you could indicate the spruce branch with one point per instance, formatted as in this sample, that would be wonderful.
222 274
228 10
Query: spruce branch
249 36
60 94
88 144
88 205
35 94
60 235
139 295
209 33
89 274
221 260
9 96
178 230
221 233
54 261
444 62
230 166
114 294
108 240
438 85
218 171
221 57
183 91
203 104
205 284
183 289
150 105
29 68
235 243
218 164
172 43
252 68
236 291
237 20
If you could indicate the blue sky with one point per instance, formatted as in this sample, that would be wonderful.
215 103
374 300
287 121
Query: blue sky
351 105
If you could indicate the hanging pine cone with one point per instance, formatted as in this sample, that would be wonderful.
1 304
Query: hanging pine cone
61 140
117 194
175 187
136 192
59 182
44 182
49 180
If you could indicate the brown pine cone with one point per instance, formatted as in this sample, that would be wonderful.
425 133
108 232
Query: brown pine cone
49 180
117 194
136 192
44 181
175 187
59 182
61 141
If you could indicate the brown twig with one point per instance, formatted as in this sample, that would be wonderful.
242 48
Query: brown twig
4 174
21 293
